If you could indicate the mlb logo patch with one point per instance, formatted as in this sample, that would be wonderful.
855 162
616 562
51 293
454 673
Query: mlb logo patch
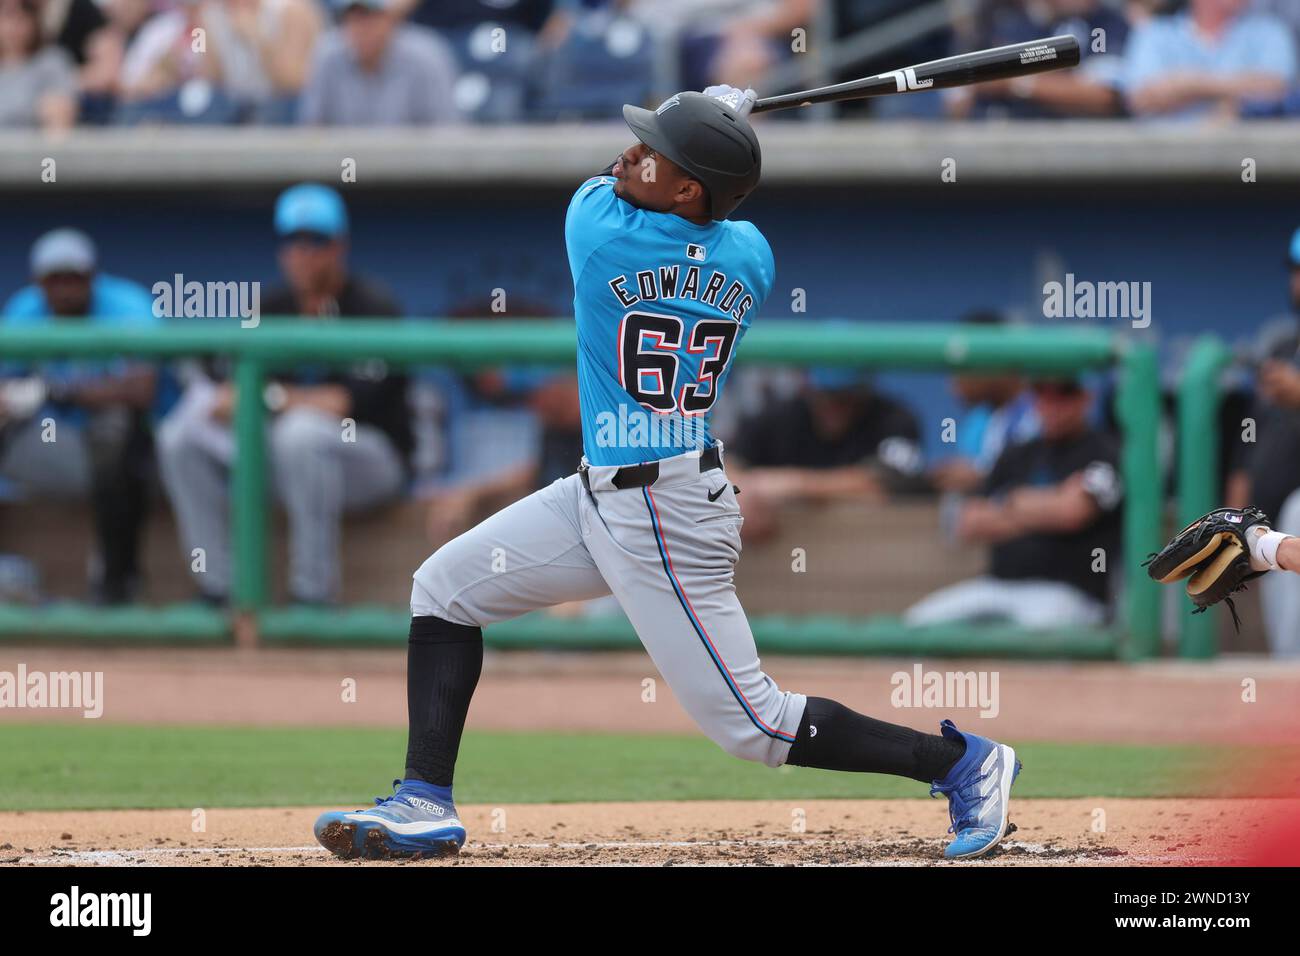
695 252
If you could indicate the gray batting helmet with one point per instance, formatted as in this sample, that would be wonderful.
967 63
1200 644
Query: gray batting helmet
708 140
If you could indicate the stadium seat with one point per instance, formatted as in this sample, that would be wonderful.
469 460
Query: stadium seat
196 104
494 68
604 62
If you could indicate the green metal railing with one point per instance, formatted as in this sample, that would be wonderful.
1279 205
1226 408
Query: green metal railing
1199 480
275 343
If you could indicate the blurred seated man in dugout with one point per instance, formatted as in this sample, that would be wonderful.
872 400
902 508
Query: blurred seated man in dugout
553 399
76 429
1266 472
1050 511
998 411
837 439
339 437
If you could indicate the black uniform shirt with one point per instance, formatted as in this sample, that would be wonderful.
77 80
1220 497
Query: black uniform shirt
784 435
378 392
1068 558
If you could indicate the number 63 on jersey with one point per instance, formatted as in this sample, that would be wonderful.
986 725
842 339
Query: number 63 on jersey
666 375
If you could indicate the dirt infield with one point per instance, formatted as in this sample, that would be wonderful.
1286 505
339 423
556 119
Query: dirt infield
725 833
1158 702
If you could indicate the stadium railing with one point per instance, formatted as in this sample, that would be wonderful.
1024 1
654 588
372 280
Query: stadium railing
1199 398
276 343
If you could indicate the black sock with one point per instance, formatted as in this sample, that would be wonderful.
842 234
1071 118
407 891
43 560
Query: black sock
443 663
833 737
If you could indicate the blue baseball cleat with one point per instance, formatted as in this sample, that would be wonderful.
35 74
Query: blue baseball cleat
978 788
418 820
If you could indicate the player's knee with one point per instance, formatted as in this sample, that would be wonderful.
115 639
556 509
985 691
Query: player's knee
432 578
750 744
300 432
436 583
176 437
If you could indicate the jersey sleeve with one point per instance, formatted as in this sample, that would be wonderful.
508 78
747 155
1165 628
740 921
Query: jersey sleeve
1004 469
126 303
595 216
1098 467
900 449
24 306
1103 484
765 262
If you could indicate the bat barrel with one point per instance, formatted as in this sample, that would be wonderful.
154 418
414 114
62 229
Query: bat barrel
981 66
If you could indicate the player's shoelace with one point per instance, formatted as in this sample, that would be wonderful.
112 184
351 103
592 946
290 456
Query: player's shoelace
961 810
380 801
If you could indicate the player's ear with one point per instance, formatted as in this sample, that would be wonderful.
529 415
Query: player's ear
690 192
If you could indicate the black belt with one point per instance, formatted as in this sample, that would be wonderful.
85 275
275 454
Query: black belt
639 476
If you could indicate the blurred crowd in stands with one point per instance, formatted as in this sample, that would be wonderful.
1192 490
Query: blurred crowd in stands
438 62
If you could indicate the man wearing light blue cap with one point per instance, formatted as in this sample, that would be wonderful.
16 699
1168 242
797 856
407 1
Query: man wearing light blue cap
338 439
77 429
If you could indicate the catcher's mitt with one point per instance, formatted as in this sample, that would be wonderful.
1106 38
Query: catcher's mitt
1214 554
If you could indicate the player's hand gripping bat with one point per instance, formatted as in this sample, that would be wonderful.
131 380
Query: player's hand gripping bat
999 63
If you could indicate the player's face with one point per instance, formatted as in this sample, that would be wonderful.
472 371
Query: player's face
67 293
1062 409
649 180
836 412
971 390
1220 8
19 27
310 261
368 32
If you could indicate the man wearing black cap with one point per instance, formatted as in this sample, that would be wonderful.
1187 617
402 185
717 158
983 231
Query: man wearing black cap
665 288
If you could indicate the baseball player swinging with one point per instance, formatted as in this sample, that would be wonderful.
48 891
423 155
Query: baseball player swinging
665 288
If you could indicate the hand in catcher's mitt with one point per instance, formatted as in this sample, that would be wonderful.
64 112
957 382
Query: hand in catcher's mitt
1213 552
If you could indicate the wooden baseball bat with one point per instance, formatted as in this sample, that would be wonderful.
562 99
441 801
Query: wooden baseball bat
999 63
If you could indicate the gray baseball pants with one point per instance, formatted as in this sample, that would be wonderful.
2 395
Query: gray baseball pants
318 476
667 552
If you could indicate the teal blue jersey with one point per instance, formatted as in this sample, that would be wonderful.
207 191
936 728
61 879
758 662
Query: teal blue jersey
661 305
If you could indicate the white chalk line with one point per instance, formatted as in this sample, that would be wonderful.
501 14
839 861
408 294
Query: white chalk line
162 856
